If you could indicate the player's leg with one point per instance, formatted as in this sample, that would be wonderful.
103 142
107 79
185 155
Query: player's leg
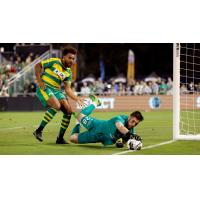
88 109
75 132
47 98
89 137
67 112
48 116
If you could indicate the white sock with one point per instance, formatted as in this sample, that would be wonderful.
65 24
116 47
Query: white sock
93 103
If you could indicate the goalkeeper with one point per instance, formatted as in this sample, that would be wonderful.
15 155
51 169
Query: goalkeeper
107 132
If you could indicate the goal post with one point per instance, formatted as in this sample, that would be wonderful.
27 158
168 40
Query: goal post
186 91
176 90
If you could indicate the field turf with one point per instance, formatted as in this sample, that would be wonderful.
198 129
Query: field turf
16 136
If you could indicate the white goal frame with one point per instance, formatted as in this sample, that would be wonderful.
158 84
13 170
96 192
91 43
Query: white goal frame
176 97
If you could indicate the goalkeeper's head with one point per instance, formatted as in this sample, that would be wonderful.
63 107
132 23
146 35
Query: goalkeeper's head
69 56
134 119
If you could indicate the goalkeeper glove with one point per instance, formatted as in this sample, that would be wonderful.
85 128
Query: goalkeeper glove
126 137
129 135
136 137
119 143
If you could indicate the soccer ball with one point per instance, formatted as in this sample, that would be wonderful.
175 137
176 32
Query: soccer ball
133 144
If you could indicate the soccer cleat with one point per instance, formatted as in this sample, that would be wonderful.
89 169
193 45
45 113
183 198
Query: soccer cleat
61 141
95 99
38 135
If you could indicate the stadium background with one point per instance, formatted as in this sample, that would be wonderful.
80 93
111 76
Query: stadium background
100 68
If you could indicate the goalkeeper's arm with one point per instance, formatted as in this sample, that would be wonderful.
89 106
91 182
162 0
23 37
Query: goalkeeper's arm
125 133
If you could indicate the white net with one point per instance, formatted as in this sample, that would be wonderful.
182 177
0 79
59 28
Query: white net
189 89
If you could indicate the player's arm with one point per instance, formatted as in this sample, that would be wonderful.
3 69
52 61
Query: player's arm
125 133
122 129
38 72
70 93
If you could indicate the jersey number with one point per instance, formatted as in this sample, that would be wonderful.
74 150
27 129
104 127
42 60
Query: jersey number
85 120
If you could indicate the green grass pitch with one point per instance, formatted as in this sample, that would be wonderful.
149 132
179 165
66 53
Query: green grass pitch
16 136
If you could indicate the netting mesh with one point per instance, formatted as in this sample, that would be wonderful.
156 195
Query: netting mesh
190 88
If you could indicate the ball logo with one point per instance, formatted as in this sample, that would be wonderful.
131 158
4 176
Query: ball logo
154 102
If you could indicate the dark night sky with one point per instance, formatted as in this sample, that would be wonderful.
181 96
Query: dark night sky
148 57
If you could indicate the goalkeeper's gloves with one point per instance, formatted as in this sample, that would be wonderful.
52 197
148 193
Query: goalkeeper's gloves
136 137
119 143
129 135
126 137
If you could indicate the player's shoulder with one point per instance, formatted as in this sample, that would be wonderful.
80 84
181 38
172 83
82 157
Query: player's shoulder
123 116
51 61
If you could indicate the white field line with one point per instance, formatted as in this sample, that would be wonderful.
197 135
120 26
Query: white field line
32 126
147 147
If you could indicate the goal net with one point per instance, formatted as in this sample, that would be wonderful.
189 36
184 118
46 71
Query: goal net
186 98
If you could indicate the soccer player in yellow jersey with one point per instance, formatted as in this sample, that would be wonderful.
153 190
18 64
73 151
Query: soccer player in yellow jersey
50 74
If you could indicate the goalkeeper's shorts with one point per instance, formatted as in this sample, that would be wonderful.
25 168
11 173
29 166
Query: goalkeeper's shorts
92 137
45 95
94 133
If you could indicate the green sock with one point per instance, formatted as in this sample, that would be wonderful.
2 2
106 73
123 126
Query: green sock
48 116
76 129
88 110
64 125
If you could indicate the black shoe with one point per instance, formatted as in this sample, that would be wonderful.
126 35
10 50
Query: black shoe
38 135
61 141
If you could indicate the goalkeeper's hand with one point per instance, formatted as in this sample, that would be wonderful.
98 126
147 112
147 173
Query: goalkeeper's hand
136 137
119 143
130 135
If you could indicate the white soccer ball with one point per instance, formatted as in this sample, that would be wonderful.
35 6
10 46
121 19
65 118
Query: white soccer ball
133 144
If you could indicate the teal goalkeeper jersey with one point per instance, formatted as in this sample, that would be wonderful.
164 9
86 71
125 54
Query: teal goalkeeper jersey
109 128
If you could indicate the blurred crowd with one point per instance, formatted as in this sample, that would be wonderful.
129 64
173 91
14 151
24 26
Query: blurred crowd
158 86
135 87
10 67
97 86
189 88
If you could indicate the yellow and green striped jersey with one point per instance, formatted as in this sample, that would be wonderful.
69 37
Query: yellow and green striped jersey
54 73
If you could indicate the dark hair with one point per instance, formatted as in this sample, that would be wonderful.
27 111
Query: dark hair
69 49
138 115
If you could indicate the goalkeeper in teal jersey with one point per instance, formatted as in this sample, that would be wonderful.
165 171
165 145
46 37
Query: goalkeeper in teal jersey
107 132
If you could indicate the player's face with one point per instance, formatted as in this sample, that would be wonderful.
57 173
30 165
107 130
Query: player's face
69 59
132 122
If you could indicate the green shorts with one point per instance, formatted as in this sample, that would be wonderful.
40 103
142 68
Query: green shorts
45 95
92 137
